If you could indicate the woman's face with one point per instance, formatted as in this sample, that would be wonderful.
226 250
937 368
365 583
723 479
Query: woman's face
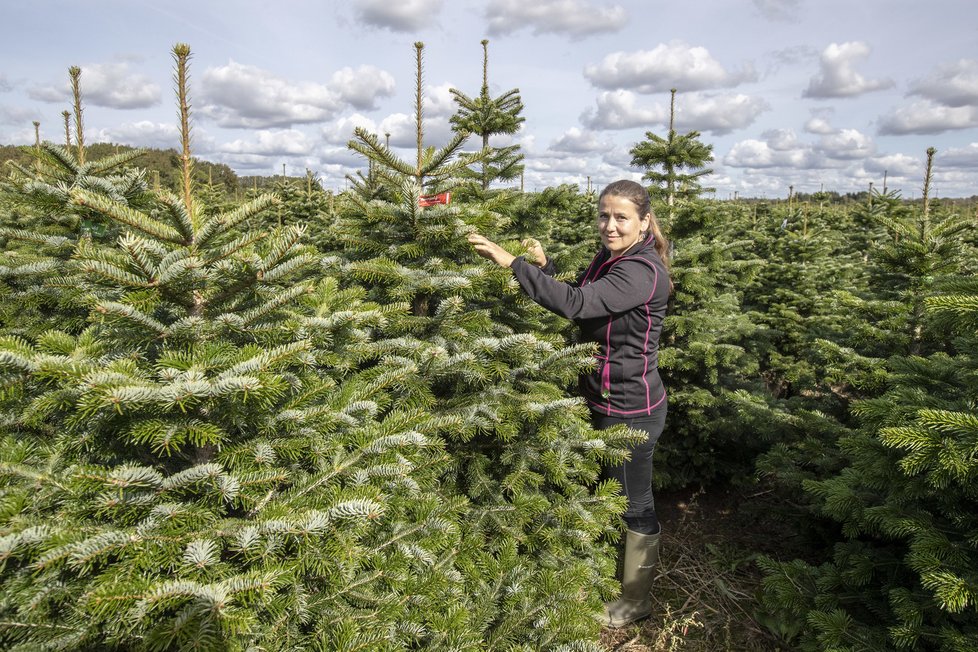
619 224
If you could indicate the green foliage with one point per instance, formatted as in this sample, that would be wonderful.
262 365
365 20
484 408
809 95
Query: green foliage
205 465
705 359
43 226
240 420
673 154
191 472
161 166
902 490
487 116
537 531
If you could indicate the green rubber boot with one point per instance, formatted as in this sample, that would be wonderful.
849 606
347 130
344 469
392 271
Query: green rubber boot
638 569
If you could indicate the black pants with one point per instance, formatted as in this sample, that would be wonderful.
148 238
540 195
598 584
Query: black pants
635 474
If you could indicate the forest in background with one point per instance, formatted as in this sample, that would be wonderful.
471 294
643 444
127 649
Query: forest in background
299 419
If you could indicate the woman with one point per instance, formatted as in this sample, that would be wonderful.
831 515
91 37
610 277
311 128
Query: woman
619 302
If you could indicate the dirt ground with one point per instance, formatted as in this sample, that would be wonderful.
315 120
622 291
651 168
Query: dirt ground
704 591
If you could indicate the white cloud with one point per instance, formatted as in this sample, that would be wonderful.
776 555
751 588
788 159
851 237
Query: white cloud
949 183
926 117
718 113
577 141
837 76
673 65
528 144
402 128
619 110
574 164
438 101
5 84
399 15
50 93
343 156
271 142
22 136
755 154
846 144
251 163
574 18
750 153
618 157
330 171
960 157
143 133
340 132
111 85
781 140
238 95
790 56
16 115
819 123
782 147
438 108
894 165
952 84
362 87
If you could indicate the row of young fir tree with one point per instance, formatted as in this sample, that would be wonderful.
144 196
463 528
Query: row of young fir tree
794 333
825 354
831 355
828 352
218 437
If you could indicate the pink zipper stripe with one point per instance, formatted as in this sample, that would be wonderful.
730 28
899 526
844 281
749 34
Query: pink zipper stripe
589 268
645 349
606 372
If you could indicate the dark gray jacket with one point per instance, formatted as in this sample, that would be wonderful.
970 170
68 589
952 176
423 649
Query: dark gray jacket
620 304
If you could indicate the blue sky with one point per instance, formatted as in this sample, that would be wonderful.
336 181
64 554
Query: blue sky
812 94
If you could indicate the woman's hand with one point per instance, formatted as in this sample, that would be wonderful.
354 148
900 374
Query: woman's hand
489 249
534 252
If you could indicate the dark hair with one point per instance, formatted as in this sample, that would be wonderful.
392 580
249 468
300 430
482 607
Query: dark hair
638 195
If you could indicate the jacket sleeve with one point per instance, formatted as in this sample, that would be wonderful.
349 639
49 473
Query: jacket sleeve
627 284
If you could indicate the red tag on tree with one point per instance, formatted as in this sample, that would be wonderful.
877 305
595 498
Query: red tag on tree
431 200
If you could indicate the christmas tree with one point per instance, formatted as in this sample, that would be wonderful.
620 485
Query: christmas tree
487 116
902 497
42 226
203 466
538 525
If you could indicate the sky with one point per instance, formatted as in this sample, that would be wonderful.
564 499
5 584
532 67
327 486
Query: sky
801 95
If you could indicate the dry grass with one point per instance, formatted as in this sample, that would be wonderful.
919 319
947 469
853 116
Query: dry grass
703 595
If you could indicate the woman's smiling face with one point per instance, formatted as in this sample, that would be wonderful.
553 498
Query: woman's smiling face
619 224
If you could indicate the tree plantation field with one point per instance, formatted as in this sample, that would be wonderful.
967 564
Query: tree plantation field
282 418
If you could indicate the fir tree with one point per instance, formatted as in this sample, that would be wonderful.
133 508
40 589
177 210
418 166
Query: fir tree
562 218
705 357
43 226
487 116
535 535
673 154
205 467
902 498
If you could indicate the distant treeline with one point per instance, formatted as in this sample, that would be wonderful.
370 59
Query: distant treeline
162 166
166 164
